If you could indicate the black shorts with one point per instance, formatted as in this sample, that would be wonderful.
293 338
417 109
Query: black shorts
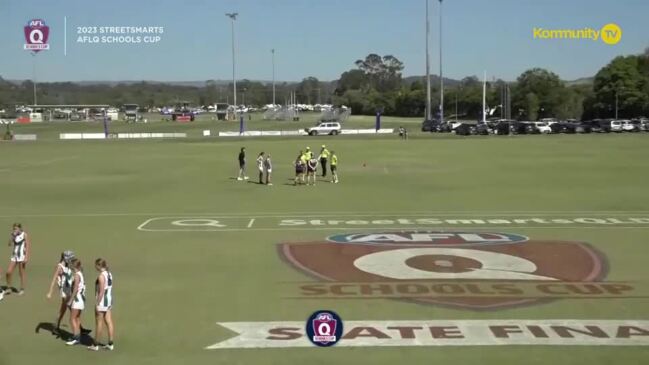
242 165
334 168
299 170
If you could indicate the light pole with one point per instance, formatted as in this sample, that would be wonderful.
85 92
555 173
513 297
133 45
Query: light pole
34 77
457 92
273 52
617 90
441 77
428 109
233 17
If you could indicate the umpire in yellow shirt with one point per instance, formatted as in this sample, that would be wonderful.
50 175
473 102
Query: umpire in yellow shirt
308 154
324 157
334 167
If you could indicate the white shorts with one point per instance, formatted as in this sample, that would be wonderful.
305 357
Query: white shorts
20 257
269 171
19 253
101 308
80 305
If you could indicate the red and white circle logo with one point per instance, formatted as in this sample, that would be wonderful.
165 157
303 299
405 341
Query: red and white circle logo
459 269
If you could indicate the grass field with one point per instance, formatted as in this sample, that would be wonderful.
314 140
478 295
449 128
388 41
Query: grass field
173 283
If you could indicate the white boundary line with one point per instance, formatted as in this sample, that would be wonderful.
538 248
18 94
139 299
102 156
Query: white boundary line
142 226
394 227
391 228
337 214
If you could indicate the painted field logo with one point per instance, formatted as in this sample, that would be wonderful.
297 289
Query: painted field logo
324 328
475 270
431 237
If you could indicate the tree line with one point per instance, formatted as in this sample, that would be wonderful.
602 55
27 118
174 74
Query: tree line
376 84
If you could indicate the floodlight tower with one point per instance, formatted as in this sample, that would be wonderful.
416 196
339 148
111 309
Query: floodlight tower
441 76
428 109
273 52
233 17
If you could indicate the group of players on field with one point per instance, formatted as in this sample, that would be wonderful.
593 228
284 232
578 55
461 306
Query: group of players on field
68 277
306 166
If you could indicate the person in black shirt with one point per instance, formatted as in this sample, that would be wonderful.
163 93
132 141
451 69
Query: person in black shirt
242 165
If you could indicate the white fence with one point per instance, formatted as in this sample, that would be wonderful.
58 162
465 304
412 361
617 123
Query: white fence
297 133
77 136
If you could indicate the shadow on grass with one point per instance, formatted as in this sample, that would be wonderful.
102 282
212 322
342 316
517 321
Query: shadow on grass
64 335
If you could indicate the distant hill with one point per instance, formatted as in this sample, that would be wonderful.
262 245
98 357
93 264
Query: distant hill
172 83
581 81
434 79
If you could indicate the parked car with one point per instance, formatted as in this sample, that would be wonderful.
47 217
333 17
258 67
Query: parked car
644 124
583 127
631 126
517 128
543 127
482 129
564 127
435 126
616 126
444 127
600 126
330 128
500 127
467 129
530 128
429 125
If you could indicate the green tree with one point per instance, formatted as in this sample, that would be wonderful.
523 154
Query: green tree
382 73
538 93
350 80
532 106
627 78
308 90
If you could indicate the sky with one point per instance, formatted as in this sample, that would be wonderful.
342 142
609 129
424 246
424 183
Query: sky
320 38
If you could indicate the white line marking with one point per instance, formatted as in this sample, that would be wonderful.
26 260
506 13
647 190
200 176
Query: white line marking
392 228
141 226
330 214
252 220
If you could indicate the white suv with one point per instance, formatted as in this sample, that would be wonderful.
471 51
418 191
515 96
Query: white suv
629 126
543 127
616 126
332 128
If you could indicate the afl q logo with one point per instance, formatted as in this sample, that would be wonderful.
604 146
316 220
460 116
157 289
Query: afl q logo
36 35
324 328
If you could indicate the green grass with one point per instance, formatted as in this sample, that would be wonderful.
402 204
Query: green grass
172 287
